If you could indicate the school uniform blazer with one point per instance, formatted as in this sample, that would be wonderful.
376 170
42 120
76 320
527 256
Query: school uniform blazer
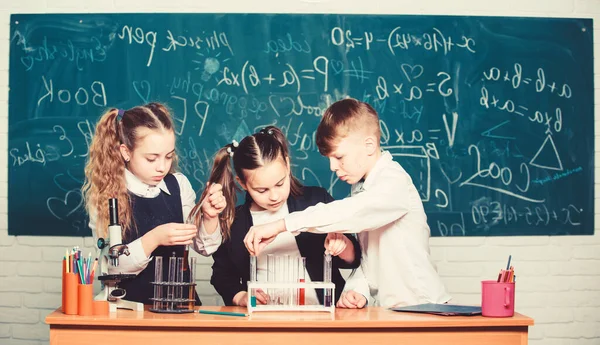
231 268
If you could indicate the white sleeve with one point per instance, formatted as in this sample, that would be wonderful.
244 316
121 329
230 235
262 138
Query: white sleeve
204 244
380 204
134 263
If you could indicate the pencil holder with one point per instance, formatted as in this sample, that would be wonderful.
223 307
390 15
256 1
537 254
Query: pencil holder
69 293
497 299
85 299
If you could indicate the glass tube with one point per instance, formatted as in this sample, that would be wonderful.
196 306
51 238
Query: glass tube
179 288
327 279
301 279
172 278
191 296
292 278
252 279
279 277
158 277
271 277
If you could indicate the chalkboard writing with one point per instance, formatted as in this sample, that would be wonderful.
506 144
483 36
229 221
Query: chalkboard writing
491 116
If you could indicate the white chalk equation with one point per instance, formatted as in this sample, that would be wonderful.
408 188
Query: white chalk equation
494 137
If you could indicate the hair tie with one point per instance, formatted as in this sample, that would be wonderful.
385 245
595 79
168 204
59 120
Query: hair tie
267 131
120 113
231 148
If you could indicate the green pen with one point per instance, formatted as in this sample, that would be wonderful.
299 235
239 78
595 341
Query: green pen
225 313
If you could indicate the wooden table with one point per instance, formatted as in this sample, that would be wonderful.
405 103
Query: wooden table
347 327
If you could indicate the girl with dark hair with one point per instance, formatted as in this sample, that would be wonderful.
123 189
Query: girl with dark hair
260 164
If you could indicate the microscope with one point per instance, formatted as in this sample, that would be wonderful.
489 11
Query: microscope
110 251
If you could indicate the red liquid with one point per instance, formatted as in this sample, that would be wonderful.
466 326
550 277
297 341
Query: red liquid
301 294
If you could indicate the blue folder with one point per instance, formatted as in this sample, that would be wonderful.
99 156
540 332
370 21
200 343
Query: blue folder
441 309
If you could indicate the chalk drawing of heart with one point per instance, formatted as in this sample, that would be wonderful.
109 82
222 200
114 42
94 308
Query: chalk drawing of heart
337 66
140 88
444 167
277 104
63 208
411 72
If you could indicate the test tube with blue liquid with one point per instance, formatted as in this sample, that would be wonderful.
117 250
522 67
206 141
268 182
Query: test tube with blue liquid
253 280
327 278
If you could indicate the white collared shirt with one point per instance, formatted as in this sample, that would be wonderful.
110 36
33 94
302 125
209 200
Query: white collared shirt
387 212
204 243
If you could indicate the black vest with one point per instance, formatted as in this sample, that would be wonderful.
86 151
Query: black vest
149 213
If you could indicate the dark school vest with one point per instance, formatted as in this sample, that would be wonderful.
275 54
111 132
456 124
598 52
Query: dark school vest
149 213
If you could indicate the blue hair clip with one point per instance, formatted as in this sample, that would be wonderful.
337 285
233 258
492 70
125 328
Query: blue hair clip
120 113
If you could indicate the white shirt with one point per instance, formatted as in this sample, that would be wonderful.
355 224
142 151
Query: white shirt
204 243
387 212
284 244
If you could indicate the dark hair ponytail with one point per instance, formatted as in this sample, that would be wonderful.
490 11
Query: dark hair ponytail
221 173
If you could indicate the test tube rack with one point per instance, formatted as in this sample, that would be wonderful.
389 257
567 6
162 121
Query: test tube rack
173 305
169 294
328 289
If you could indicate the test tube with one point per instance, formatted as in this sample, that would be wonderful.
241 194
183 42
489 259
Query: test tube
286 279
271 276
192 269
158 277
179 289
301 279
293 278
253 280
172 278
327 278
186 254
279 277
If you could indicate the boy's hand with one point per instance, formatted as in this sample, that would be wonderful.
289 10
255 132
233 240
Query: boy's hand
351 300
214 202
336 243
259 236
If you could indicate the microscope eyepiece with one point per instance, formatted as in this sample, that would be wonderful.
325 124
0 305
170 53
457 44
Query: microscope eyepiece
113 211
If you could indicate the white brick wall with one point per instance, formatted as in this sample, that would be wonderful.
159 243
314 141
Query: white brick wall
559 277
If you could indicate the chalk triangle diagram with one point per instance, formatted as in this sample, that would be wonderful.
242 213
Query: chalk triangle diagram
547 156
241 132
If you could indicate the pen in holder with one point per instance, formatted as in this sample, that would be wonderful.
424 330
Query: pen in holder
175 295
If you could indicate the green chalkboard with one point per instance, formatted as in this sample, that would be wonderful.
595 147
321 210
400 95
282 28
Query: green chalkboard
491 116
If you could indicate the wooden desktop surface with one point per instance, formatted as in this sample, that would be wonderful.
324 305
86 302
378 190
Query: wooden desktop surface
350 326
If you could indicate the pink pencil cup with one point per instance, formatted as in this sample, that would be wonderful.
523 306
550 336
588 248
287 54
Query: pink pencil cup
497 299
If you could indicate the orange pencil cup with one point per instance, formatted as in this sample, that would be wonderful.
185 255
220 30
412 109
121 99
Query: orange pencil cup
64 271
69 293
85 298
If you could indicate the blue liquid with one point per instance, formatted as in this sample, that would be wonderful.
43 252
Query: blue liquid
253 301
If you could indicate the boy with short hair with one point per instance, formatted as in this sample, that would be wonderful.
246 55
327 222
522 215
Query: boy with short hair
384 208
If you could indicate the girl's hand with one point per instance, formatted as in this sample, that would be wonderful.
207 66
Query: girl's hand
173 234
336 243
214 202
